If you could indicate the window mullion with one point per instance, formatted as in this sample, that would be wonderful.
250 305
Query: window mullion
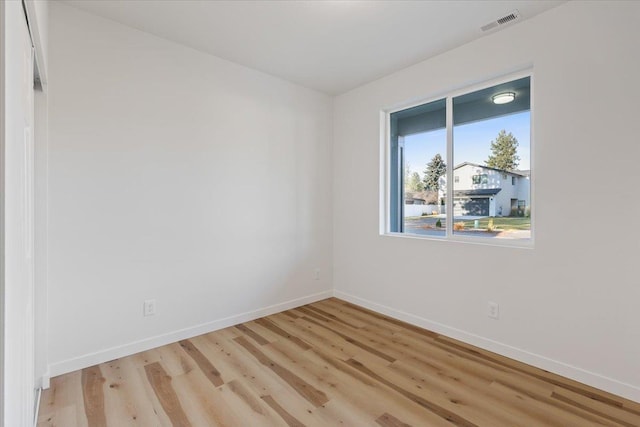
401 166
449 188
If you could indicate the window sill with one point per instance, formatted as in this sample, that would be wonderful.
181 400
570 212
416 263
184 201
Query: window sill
482 241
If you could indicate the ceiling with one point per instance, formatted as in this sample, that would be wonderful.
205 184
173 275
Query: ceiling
330 46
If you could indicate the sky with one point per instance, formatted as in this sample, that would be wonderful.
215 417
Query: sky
471 142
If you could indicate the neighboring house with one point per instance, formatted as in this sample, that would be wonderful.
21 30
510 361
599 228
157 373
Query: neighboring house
414 201
481 190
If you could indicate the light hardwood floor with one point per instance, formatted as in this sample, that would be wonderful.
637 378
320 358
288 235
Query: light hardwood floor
325 364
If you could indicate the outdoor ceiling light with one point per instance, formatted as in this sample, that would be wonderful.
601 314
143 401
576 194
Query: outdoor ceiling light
503 98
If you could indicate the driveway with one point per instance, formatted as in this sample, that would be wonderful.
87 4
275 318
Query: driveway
426 226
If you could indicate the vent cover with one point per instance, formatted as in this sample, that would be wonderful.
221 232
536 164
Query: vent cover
513 16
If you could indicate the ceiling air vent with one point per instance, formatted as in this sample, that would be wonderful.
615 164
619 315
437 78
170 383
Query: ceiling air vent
513 16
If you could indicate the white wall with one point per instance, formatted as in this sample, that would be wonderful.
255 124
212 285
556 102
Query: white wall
571 303
152 147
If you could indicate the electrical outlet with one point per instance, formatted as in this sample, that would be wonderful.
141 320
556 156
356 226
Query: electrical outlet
316 274
149 308
493 310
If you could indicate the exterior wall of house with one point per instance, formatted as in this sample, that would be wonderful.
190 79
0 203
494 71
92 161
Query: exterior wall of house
524 189
500 204
492 206
509 191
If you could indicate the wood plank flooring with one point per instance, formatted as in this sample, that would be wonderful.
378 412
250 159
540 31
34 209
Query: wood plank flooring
330 363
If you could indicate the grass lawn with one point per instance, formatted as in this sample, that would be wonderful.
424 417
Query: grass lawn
503 223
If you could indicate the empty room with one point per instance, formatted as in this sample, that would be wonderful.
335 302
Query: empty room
319 213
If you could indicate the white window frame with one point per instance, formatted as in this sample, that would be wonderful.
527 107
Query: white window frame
385 166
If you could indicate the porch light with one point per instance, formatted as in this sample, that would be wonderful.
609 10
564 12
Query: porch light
503 98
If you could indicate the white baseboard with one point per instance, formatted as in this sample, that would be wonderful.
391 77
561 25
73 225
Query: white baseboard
45 380
102 356
590 378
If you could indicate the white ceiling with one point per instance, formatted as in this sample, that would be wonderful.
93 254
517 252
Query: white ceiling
331 46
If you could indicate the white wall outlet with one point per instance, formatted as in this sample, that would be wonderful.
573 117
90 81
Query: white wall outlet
149 308
493 310
316 274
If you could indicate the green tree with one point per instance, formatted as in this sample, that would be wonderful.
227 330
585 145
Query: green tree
414 183
504 152
435 169
407 173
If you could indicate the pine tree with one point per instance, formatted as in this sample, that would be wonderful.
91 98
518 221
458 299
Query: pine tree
504 152
435 169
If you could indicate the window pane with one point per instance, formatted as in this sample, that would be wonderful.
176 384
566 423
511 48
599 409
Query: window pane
491 158
418 153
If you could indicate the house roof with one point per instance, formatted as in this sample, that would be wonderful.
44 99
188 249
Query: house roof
518 173
477 192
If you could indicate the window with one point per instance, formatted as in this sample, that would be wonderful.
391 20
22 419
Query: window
477 143
417 152
479 179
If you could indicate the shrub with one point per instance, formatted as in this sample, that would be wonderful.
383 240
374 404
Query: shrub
438 223
458 226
